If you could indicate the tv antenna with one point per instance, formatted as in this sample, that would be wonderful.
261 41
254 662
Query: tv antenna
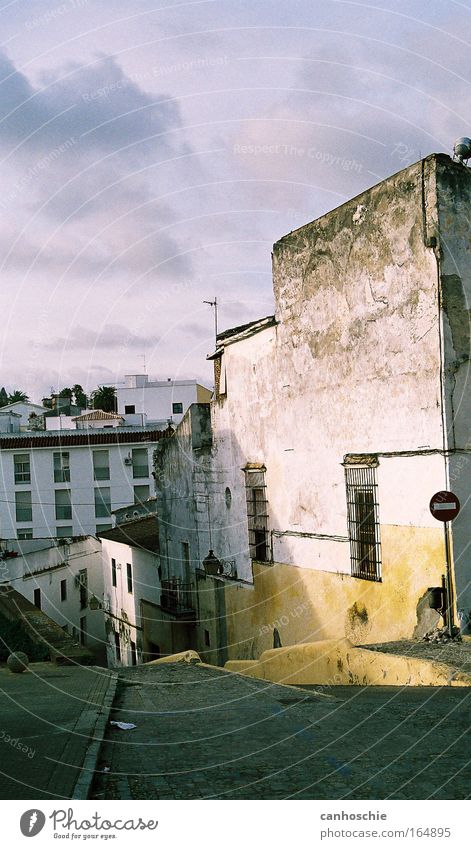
214 305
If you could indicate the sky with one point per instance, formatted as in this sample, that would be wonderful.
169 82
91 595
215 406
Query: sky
151 153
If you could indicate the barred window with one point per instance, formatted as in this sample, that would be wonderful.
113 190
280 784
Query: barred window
363 522
257 513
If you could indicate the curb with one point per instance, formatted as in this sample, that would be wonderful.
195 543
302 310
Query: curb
87 770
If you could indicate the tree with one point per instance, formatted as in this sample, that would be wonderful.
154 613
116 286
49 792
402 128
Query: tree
104 398
66 393
79 396
3 397
17 395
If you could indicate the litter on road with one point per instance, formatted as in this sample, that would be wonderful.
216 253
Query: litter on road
125 726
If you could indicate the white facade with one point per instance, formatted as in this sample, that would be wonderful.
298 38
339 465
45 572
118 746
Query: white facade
24 409
61 579
161 401
131 578
66 483
353 397
9 422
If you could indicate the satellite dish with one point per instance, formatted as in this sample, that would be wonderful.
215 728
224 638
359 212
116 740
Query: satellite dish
462 149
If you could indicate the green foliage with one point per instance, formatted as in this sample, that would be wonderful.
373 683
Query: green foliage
17 395
104 398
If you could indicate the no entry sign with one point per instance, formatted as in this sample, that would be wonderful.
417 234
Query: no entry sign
444 506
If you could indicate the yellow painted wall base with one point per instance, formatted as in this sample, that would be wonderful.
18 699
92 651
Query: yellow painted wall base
335 662
306 605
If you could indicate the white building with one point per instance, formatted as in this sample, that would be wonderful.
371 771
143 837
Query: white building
60 579
24 409
162 401
66 483
131 592
334 423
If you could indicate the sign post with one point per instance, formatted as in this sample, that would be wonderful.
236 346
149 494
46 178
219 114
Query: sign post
445 507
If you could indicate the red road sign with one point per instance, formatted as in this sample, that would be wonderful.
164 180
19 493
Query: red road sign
444 506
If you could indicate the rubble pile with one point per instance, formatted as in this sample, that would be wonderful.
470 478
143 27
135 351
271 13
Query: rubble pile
441 635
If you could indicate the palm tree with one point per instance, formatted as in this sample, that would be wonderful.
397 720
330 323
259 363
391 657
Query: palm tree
104 398
79 396
17 395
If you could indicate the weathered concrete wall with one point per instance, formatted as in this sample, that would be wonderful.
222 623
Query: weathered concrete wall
353 366
454 213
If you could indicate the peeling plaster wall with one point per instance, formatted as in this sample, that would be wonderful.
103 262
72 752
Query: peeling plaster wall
353 366
454 208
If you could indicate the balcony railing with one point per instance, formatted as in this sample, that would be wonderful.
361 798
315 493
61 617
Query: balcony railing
177 598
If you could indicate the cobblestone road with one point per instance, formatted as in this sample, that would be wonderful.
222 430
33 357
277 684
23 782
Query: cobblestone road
202 733
47 717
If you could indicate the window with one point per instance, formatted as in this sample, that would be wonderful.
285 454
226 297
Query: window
363 522
114 581
129 576
140 463
257 513
24 510
177 409
63 505
102 527
102 502
22 468
133 654
101 465
207 641
64 531
37 598
129 409
83 586
117 647
25 533
141 493
64 590
61 460
83 630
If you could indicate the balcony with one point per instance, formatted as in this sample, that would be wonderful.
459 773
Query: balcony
177 598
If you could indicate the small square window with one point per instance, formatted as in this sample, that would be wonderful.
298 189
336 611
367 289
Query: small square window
64 531
177 409
129 409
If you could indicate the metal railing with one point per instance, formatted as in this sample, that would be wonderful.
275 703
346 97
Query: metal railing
177 597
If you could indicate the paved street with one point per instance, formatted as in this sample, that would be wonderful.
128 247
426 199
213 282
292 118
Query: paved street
47 716
202 733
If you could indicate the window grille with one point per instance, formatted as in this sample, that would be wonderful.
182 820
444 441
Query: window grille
363 522
257 514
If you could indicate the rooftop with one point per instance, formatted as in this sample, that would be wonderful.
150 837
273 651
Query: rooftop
97 436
